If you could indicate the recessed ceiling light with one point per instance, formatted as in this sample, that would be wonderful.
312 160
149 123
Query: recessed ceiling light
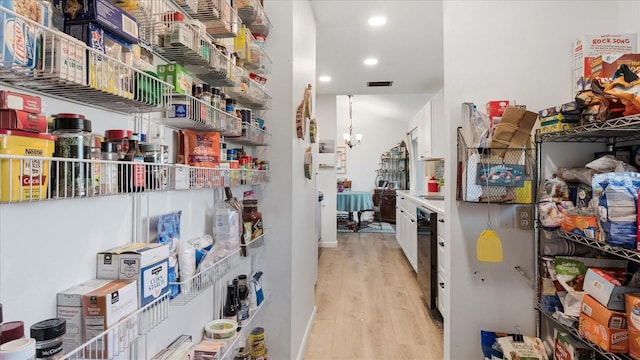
371 61
324 78
377 21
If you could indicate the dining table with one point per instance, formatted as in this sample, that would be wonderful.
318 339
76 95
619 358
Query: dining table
354 201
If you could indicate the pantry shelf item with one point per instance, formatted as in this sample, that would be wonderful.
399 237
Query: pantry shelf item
573 331
247 326
503 175
219 18
251 53
137 324
250 93
109 84
252 14
254 136
623 129
628 254
188 112
205 279
257 243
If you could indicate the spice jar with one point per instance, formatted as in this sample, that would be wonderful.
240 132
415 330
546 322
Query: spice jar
96 149
153 154
48 335
20 349
252 217
109 172
71 179
119 137
133 176
11 330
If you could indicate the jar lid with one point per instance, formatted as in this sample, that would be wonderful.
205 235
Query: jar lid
242 353
68 116
250 202
242 277
150 147
48 329
70 123
117 134
141 137
215 91
19 349
11 330
257 331
109 147
206 88
133 137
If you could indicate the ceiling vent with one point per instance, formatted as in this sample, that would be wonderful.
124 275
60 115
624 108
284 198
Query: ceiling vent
379 83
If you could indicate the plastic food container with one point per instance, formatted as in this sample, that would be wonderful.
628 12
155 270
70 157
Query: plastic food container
220 329
24 179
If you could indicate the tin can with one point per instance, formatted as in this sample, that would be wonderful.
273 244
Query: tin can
242 354
256 341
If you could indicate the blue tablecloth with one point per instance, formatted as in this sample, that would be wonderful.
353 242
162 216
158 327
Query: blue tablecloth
354 201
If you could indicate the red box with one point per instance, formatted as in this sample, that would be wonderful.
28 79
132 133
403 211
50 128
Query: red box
612 340
496 108
604 66
16 119
15 101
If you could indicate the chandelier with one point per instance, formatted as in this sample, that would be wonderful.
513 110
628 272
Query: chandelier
349 139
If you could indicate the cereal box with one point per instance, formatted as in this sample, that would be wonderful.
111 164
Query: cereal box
604 66
21 40
590 46
611 340
104 13
100 71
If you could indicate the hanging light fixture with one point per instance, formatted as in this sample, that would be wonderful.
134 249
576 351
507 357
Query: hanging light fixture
349 139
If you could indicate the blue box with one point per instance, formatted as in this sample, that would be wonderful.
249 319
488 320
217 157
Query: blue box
22 41
103 12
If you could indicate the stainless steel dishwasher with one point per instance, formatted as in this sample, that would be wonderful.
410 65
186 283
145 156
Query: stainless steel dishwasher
427 275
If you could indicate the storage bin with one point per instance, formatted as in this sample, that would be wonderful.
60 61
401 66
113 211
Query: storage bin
24 179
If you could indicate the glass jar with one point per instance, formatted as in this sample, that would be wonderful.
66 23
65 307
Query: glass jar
109 172
133 176
71 179
96 149
120 138
48 335
153 155
252 217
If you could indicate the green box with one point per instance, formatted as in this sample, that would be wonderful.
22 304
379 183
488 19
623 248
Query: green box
177 76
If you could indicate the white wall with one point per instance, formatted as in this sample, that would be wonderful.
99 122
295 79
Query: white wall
326 116
526 52
289 201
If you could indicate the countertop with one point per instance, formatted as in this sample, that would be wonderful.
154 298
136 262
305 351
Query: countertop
434 205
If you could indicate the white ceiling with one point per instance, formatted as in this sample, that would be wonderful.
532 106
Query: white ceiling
408 46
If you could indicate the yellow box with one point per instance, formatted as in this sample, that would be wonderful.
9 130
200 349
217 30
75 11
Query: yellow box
23 179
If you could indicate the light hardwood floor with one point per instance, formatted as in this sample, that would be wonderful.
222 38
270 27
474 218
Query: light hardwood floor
369 305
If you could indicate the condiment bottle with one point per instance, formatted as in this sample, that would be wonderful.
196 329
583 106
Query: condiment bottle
230 312
49 335
71 179
243 295
96 148
251 215
109 172
120 138
133 175
153 154
206 99
215 103
159 139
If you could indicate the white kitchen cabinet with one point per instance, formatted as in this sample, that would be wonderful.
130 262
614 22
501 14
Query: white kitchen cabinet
432 142
407 229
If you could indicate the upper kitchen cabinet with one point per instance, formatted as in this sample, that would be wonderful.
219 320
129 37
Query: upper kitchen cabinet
431 142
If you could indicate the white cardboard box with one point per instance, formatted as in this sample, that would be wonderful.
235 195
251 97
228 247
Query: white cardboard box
587 47
70 308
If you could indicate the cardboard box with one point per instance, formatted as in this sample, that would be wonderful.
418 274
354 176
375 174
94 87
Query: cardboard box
611 340
21 120
23 48
547 126
103 308
598 312
10 100
104 13
565 348
70 308
209 349
632 302
604 66
603 288
569 108
589 46
513 131
146 263
177 76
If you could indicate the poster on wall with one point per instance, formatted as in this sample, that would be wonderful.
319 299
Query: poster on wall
341 160
326 153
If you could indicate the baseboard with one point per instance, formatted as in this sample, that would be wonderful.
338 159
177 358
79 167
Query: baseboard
328 244
307 333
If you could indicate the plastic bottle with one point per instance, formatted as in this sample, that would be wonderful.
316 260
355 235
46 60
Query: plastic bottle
134 174
230 312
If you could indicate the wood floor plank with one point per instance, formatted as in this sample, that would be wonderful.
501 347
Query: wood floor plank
369 305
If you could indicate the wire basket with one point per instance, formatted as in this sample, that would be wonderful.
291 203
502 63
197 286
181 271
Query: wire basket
495 175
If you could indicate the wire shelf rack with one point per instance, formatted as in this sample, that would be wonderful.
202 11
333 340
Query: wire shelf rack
252 134
247 325
255 244
623 129
573 331
35 178
252 14
205 279
629 254
116 341
188 112
50 62
251 53
495 175
219 18
250 93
